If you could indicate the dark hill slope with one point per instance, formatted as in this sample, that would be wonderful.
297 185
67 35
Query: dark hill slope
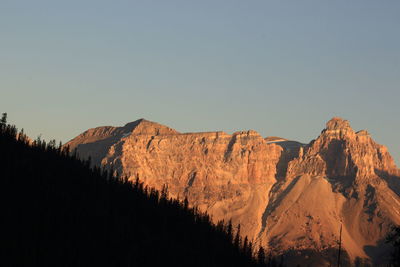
56 211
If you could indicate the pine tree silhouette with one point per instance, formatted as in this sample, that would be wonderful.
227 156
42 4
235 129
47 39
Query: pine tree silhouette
261 256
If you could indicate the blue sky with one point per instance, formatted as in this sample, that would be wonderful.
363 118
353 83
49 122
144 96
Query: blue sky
279 67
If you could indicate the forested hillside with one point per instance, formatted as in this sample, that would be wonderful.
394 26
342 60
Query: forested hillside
57 211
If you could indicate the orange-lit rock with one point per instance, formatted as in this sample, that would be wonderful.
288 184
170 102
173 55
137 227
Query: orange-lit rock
228 176
341 177
286 195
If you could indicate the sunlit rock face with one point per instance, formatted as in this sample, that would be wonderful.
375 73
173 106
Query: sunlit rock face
287 196
342 177
228 176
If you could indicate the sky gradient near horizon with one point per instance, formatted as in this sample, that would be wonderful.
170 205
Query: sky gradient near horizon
282 68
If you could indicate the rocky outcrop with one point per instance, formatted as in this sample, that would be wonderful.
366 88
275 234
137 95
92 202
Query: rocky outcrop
342 177
287 196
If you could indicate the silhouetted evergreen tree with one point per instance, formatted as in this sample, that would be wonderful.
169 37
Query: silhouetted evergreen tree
229 230
245 244
3 120
237 240
261 256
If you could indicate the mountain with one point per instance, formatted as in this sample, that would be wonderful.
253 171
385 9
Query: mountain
287 196
229 176
343 177
57 211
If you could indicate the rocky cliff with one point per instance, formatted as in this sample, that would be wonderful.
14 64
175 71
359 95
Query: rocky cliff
287 196
342 177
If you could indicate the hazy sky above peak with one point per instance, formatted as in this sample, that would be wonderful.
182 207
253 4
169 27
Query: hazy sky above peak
282 68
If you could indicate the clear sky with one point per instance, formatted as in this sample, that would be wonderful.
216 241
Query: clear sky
279 67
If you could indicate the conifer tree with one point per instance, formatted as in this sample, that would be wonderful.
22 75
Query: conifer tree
261 256
245 245
229 230
3 121
237 241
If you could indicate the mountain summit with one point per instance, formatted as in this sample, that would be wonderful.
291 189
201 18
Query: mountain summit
342 177
337 123
287 196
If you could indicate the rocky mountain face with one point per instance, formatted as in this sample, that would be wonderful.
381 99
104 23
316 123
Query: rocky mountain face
289 197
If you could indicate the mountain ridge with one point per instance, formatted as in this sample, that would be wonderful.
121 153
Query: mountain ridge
272 189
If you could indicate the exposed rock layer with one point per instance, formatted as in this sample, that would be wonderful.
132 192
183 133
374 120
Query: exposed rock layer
286 195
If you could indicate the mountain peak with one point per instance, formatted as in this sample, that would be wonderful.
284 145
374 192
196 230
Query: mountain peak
135 123
143 126
337 123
